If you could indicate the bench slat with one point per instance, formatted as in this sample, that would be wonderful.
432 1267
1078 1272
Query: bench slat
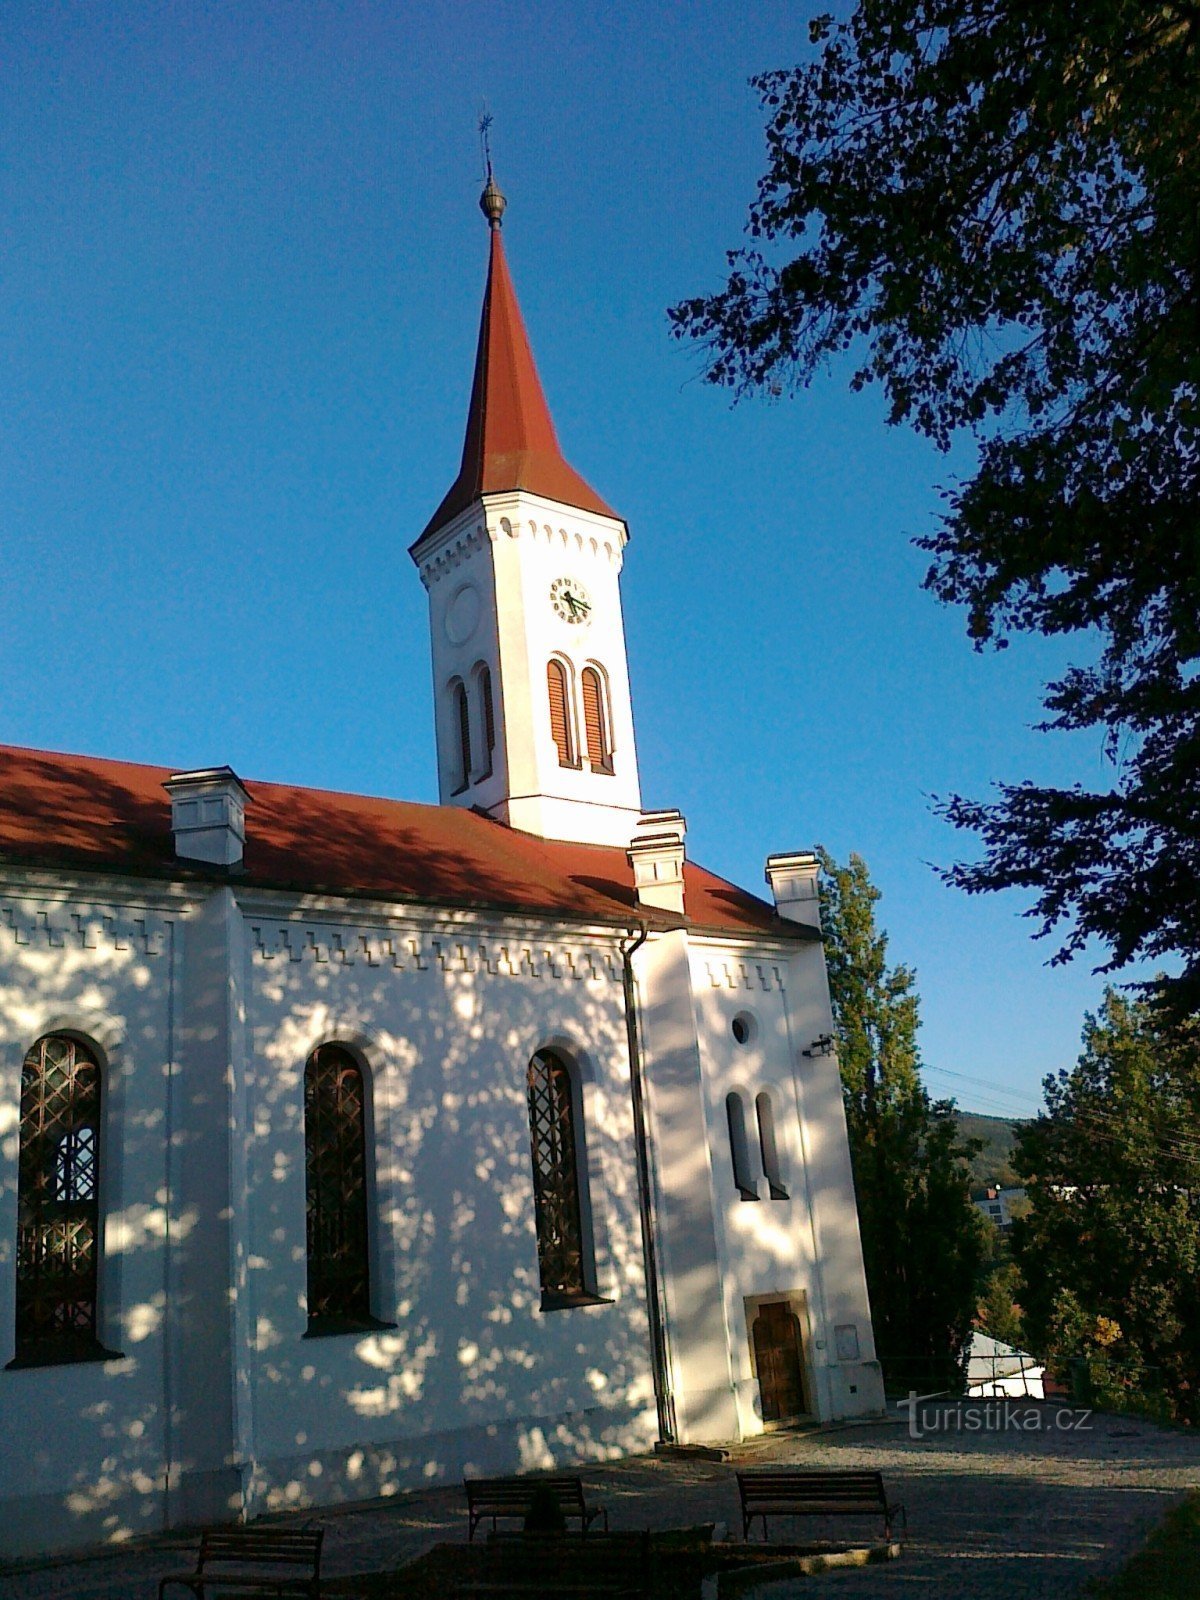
510 1498
252 1559
772 1493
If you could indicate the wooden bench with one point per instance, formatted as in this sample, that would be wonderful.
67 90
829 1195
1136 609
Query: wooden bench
776 1493
274 1561
510 1498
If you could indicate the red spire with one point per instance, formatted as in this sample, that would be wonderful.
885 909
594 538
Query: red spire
510 442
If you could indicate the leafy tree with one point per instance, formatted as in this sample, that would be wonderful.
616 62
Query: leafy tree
922 1238
999 1310
1110 1248
992 205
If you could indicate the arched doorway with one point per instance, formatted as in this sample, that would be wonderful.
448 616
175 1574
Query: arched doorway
779 1359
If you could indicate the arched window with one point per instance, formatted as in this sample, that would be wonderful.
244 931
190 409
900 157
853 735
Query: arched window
766 1143
58 1203
596 720
556 1200
335 1163
562 723
462 730
484 679
739 1148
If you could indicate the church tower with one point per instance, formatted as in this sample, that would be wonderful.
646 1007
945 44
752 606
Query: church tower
522 562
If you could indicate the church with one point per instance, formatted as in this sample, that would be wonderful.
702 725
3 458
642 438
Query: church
349 1145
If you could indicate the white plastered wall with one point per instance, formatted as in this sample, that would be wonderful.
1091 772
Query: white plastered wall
489 575
474 1375
203 1009
93 1446
804 1248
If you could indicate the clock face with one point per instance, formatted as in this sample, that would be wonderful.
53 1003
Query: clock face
571 600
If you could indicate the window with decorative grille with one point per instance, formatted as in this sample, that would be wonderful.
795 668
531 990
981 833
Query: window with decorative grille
595 720
489 719
556 1181
335 1156
58 1209
463 716
560 713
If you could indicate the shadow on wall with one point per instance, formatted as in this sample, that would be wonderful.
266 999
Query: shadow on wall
473 1375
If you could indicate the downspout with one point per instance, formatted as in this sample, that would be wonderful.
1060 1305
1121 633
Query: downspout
663 1398
168 1332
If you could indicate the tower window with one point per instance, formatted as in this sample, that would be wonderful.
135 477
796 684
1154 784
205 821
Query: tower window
739 1147
766 1143
484 679
335 1163
58 1215
557 1209
561 720
462 718
596 720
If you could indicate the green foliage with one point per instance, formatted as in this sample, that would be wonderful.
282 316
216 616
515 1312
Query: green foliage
999 1309
922 1238
1166 1568
991 1165
991 206
1110 1249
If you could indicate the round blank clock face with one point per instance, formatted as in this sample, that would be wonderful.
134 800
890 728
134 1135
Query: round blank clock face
571 601
462 614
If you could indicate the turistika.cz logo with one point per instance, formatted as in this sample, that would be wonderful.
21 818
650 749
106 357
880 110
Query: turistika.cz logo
935 1414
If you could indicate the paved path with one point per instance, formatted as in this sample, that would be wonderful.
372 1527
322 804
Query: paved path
992 1515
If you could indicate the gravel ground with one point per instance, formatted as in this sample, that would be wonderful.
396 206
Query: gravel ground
993 1515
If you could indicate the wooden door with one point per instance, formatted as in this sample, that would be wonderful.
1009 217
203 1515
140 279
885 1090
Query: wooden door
778 1354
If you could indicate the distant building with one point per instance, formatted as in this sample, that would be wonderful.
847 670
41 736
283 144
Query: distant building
995 1369
997 1205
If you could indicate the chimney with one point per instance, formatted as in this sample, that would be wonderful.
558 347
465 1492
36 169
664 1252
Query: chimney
208 815
793 880
656 856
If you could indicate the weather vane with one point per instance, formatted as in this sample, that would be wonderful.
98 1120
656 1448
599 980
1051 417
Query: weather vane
491 201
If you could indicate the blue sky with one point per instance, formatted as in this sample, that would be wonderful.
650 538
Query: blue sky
239 292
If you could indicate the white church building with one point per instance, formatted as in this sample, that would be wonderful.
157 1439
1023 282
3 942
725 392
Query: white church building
349 1145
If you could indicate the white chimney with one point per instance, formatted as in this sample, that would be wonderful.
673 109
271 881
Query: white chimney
656 856
793 880
208 815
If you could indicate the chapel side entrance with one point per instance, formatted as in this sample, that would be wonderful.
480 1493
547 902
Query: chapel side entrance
778 1359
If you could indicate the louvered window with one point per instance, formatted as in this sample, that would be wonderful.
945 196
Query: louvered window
766 1143
739 1147
555 1179
335 1152
462 716
560 713
58 1213
595 720
489 720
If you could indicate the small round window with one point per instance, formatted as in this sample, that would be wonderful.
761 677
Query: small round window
744 1027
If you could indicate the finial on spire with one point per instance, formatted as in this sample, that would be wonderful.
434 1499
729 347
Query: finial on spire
491 201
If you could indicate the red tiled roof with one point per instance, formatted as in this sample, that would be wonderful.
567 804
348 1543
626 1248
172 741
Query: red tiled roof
93 815
510 441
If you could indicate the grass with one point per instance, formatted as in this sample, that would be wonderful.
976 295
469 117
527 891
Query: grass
1167 1567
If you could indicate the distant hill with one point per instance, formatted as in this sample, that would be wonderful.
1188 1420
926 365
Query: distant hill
993 1164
